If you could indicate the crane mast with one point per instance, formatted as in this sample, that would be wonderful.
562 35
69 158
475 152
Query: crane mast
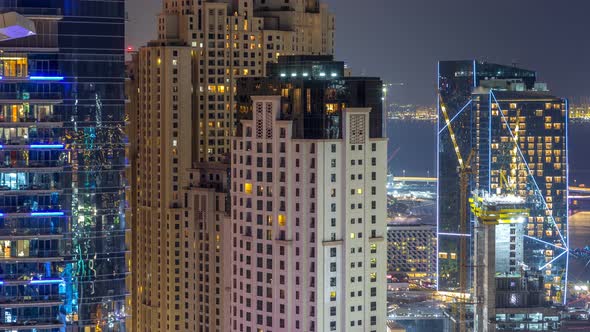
465 172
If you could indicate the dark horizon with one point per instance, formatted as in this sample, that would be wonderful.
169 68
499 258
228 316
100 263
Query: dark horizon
540 35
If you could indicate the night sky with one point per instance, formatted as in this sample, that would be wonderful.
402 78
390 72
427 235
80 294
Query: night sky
401 41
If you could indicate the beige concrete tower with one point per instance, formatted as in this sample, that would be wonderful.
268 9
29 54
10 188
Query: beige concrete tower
178 206
236 38
308 226
162 239
181 89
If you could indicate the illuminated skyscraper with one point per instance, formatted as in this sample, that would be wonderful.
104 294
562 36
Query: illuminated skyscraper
517 132
185 115
237 38
62 212
308 227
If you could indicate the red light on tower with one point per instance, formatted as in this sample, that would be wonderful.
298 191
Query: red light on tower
129 49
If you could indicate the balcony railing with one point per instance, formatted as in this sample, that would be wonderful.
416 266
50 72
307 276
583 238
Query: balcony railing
31 252
30 96
21 164
31 324
29 11
37 301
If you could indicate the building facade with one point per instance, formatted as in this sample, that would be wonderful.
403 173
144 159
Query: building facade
237 38
185 112
510 295
526 136
62 211
308 204
411 252
473 93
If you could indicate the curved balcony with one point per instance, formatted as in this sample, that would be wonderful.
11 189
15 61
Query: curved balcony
19 259
34 11
50 166
29 190
32 78
48 301
31 324
44 146
27 209
32 97
20 282
54 123
30 234
40 139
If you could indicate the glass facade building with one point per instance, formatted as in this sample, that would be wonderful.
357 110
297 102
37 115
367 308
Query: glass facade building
62 161
518 135
523 151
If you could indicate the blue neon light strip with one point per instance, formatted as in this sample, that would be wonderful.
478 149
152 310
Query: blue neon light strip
41 282
567 186
46 78
528 169
46 214
455 234
46 282
456 115
46 146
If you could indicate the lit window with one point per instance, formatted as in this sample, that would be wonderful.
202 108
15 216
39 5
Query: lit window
282 220
248 188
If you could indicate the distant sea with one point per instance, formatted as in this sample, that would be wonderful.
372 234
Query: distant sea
412 147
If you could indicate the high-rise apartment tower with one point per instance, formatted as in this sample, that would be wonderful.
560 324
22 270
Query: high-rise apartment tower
62 152
308 201
185 115
237 38
517 134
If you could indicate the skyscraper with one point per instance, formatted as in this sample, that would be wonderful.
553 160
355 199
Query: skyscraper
526 136
308 201
517 134
185 112
62 212
237 38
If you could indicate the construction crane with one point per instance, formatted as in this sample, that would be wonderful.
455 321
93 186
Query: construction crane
465 171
